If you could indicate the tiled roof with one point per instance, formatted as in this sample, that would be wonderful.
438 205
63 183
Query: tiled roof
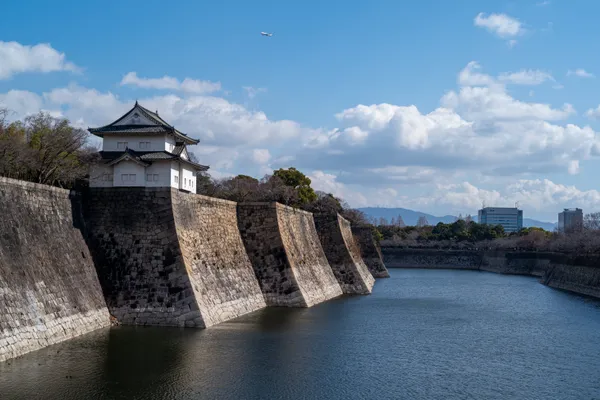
149 156
160 127
178 149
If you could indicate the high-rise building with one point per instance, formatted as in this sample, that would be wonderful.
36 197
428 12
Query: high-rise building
570 220
511 218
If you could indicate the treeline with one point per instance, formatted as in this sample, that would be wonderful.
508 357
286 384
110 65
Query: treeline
44 149
287 186
460 230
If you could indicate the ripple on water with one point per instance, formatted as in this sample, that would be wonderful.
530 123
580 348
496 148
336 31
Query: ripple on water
422 334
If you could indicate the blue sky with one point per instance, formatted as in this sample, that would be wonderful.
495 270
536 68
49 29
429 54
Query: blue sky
367 98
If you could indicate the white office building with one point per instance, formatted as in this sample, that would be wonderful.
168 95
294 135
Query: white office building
511 218
141 149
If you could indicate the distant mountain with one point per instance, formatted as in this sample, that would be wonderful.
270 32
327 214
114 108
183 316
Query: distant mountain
411 217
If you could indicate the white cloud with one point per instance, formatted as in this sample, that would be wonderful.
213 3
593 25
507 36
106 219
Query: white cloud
16 58
377 154
188 85
593 113
526 77
539 195
478 128
252 92
499 24
580 72
261 156
542 3
471 76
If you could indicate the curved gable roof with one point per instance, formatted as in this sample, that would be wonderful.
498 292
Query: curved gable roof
139 120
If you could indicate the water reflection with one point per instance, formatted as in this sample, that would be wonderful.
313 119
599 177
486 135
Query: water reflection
420 335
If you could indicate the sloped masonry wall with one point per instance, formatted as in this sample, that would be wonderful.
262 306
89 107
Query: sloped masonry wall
370 251
212 248
575 273
343 254
157 267
287 257
49 290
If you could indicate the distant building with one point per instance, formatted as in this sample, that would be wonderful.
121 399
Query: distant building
511 218
570 220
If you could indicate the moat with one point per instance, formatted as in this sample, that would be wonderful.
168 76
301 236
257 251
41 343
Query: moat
422 334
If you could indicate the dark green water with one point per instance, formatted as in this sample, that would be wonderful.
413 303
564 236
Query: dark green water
422 334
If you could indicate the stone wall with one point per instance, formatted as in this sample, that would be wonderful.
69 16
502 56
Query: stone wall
396 257
370 251
343 254
285 252
222 276
159 261
578 274
49 290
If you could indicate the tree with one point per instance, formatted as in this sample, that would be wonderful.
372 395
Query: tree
422 221
592 221
400 222
325 203
468 218
205 185
240 188
355 216
45 150
300 182
382 221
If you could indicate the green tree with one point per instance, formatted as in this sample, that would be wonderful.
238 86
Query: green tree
300 182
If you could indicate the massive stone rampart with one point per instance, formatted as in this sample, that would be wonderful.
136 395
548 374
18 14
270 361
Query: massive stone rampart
222 276
169 258
370 251
343 254
288 260
575 273
49 290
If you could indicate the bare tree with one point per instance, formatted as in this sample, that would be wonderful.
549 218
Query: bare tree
422 221
468 218
382 221
400 222
592 221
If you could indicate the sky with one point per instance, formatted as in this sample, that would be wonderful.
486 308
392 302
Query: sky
423 105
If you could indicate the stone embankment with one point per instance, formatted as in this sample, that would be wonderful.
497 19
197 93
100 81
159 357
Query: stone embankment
578 274
370 251
169 258
284 250
157 256
343 254
49 290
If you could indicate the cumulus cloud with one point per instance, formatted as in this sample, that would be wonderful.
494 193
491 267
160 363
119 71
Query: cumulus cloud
261 156
16 58
376 154
593 113
188 85
479 127
580 72
501 25
533 194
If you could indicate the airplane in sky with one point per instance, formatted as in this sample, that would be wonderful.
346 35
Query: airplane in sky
266 34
